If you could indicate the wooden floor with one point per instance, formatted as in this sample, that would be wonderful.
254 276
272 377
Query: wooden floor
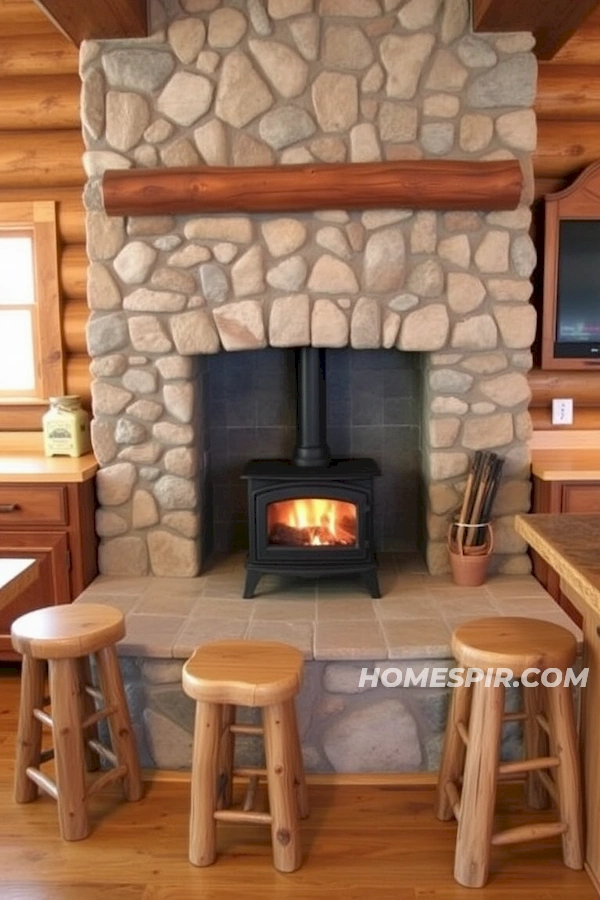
361 842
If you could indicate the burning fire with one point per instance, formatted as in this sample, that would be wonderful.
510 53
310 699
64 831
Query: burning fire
312 522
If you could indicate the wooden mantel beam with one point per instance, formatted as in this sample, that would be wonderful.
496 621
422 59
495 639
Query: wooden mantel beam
417 184
552 22
82 20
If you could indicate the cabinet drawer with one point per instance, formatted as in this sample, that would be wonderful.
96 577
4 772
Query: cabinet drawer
22 504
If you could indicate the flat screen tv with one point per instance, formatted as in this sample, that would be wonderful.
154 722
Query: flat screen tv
577 326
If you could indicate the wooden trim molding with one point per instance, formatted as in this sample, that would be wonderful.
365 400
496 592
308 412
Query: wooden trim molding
50 350
418 184
580 200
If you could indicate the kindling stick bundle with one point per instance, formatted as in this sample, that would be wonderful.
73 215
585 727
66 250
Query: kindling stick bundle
480 493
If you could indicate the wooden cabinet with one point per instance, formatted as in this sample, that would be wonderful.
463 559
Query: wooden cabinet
570 544
590 699
562 497
53 523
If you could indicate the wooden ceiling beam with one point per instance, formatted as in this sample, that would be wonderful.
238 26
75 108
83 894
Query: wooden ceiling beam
552 22
85 20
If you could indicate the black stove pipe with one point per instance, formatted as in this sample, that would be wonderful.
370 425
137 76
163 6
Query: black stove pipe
311 446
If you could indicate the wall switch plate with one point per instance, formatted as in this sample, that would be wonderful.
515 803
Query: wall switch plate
562 411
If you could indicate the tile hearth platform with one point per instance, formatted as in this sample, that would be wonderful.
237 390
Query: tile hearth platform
339 628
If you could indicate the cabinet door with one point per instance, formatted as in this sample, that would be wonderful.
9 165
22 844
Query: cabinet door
561 497
590 737
52 586
581 498
547 498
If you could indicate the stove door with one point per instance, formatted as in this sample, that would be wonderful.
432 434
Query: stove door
312 522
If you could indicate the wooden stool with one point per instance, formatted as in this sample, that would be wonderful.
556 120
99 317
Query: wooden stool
473 739
64 637
219 677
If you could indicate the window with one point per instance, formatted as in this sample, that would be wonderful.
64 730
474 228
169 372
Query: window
17 303
31 360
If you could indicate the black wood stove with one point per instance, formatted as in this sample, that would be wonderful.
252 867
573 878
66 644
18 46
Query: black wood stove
311 515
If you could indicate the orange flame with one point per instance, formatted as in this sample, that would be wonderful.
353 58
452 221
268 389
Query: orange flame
312 521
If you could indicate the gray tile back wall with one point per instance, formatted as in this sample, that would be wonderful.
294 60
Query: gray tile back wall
373 409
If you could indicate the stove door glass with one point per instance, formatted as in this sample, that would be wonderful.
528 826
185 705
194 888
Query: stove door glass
312 522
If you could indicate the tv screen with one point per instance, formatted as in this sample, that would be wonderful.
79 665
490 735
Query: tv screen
578 294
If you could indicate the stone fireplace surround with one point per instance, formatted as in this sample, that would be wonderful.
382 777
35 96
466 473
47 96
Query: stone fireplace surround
293 81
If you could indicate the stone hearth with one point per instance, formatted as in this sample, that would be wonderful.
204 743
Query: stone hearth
344 728
296 81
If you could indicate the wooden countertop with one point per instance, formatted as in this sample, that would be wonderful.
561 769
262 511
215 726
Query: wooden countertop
15 576
570 544
35 467
566 464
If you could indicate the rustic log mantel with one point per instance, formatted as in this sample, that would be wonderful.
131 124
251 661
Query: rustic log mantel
417 184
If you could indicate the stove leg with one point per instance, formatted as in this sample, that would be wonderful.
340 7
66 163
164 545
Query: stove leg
371 583
252 579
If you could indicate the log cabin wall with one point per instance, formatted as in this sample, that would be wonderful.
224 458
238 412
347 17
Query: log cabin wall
568 116
41 147
40 157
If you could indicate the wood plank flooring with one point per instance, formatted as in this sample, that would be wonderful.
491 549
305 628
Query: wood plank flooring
361 842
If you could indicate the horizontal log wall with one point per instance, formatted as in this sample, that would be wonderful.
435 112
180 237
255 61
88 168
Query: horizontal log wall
29 103
568 113
40 156
41 147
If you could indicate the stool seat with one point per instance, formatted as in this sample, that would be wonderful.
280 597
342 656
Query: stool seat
243 673
220 677
67 631
61 640
513 642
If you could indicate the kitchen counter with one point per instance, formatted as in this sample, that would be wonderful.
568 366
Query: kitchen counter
570 545
569 464
32 468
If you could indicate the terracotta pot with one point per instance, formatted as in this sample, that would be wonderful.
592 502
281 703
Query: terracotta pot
469 564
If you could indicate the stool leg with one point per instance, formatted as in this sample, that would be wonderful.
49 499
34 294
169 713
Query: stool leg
226 750
119 722
453 755
287 853
68 749
562 728
478 797
29 731
536 745
92 763
204 787
299 777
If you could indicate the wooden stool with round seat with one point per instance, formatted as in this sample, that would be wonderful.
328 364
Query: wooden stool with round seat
62 639
220 676
474 733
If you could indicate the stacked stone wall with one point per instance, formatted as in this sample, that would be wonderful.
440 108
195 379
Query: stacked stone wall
295 81
343 727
